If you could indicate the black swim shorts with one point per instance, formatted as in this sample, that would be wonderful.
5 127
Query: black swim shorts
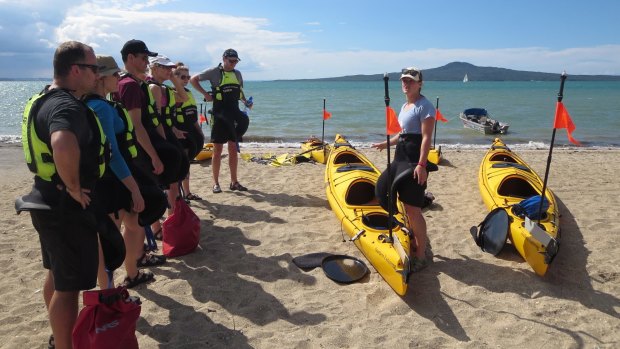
69 248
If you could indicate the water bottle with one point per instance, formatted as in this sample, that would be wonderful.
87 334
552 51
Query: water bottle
248 105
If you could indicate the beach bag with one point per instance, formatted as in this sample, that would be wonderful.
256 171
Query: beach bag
108 320
530 207
181 231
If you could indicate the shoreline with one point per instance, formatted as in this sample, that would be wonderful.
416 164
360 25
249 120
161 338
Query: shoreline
240 289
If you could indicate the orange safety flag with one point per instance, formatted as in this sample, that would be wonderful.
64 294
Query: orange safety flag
563 120
439 116
391 122
202 118
326 114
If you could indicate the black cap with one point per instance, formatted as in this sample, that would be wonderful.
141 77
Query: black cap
136 46
231 53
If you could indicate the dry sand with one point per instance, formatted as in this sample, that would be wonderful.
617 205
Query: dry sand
241 290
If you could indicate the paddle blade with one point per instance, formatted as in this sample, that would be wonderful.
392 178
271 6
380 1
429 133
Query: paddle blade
440 117
326 114
563 120
391 122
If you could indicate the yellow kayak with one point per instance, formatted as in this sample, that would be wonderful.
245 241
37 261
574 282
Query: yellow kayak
318 150
505 180
350 186
434 155
206 153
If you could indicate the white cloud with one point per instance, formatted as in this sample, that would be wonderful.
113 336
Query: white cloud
199 38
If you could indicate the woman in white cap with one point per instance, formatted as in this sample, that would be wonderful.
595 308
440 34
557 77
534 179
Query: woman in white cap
417 120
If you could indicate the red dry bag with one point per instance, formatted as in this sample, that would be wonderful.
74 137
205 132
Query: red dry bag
181 231
108 320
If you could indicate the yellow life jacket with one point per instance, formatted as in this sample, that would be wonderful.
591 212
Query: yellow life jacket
150 116
229 91
187 111
127 139
38 154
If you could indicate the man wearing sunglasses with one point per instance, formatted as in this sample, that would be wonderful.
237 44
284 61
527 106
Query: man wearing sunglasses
66 150
229 123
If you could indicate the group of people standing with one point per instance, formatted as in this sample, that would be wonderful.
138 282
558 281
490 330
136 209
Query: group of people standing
111 150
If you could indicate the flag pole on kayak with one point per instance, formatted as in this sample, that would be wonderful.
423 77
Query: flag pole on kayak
435 131
389 172
323 131
561 120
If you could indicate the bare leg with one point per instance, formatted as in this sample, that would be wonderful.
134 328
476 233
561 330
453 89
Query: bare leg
233 158
173 193
133 234
185 185
63 310
216 162
418 226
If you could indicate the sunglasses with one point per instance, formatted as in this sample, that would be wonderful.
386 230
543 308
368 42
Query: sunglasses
184 77
94 68
233 61
411 72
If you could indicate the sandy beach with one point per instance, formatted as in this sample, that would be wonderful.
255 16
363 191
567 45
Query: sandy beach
240 289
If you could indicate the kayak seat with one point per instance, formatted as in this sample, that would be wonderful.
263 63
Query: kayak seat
516 187
347 158
347 144
511 164
355 167
378 221
361 193
503 157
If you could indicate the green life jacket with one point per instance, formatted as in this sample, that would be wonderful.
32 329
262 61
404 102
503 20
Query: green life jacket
38 154
168 110
187 111
126 140
229 91
150 116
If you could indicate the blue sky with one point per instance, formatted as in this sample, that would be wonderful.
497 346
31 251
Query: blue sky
309 39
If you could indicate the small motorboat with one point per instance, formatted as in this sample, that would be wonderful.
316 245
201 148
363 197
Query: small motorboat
478 119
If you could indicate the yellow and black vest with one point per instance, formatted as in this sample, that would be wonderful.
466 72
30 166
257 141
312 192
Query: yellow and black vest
229 91
187 112
38 154
126 140
150 115
168 110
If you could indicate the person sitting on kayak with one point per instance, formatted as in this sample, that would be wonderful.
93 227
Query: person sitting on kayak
417 120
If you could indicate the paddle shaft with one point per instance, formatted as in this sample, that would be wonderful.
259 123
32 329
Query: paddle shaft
544 188
389 172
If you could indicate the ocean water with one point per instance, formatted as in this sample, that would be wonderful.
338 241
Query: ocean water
288 112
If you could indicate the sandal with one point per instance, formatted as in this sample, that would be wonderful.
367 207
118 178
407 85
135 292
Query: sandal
50 343
237 186
217 189
418 264
142 277
150 260
192 196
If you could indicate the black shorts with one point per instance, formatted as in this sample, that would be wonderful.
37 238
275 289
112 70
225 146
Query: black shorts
408 152
228 125
407 189
69 248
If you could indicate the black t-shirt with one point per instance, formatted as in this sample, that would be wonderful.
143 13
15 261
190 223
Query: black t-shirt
62 111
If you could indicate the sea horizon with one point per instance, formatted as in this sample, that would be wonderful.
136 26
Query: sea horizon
289 112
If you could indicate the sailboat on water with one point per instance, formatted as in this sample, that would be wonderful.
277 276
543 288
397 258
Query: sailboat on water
465 79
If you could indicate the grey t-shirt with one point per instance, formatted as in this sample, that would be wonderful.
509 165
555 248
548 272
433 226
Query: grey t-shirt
214 75
411 120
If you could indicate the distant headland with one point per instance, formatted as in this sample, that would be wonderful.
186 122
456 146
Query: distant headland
456 71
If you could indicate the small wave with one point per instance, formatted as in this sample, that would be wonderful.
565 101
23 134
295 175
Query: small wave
10 139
